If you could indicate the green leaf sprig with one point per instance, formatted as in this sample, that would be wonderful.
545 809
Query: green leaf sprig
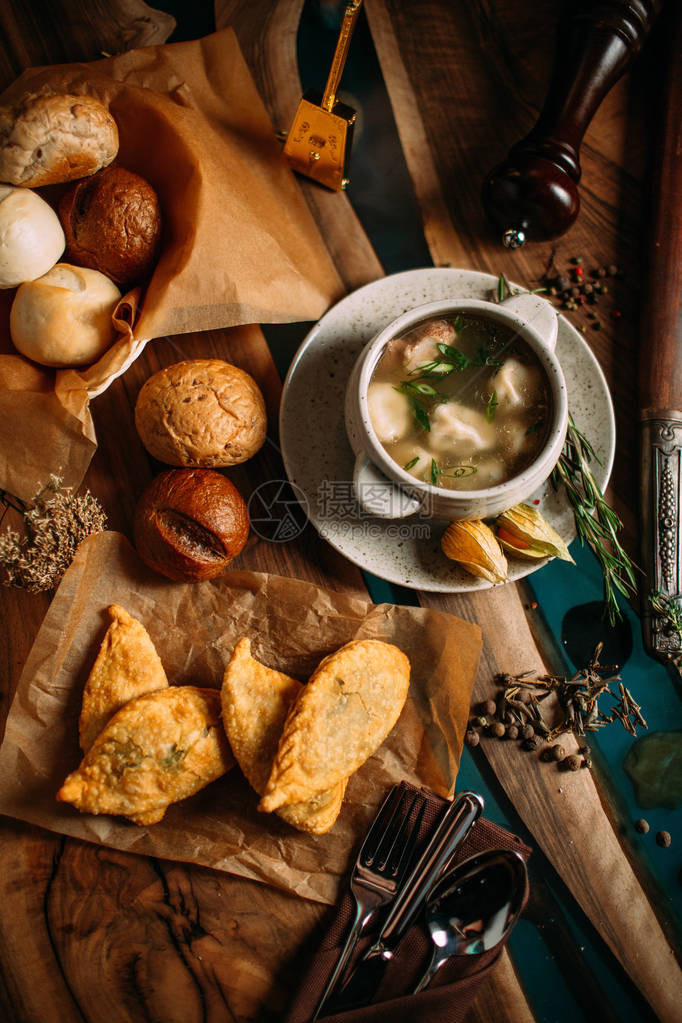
596 522
453 472
504 290
668 609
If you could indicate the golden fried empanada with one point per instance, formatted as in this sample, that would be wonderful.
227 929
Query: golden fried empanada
339 719
256 701
127 666
158 749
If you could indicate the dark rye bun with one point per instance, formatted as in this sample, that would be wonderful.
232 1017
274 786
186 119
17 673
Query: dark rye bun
112 223
189 524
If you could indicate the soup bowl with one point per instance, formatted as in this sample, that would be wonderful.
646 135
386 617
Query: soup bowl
384 489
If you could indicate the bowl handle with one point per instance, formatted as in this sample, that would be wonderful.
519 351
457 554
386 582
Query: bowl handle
377 495
536 312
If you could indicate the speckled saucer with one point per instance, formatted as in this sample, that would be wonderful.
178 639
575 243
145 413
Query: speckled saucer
319 460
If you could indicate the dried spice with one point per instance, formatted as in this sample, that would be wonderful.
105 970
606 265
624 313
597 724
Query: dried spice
578 698
519 712
55 523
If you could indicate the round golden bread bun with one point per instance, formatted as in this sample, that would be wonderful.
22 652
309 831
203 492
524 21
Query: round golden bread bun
48 138
64 318
203 412
31 237
112 223
189 524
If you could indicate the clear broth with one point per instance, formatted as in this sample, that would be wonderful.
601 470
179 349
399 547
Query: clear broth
461 402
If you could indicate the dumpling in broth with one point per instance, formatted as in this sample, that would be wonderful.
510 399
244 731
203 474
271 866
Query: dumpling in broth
424 341
489 472
459 431
389 411
516 385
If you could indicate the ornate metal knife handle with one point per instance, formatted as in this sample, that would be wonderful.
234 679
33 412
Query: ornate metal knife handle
661 540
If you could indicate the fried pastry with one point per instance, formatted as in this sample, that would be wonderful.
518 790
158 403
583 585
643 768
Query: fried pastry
158 749
339 720
255 701
127 666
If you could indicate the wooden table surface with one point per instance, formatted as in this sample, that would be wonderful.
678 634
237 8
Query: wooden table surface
88 933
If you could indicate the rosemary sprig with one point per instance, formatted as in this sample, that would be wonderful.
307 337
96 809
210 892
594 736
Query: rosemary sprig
668 609
596 522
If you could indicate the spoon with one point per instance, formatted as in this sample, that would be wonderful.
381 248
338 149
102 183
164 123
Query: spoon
473 907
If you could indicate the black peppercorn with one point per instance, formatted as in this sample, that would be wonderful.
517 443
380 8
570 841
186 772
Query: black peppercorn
572 762
527 732
512 732
558 752
471 738
530 744
488 707
663 839
642 826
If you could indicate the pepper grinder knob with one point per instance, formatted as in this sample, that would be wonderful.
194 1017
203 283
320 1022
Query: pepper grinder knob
533 195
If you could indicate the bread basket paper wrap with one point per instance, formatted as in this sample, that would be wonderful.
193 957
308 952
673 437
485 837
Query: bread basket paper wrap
239 243
292 626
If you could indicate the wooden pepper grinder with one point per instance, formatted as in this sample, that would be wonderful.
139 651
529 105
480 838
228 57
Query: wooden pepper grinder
533 195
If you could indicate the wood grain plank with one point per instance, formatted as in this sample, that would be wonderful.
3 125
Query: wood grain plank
267 37
190 958
106 936
467 81
46 33
447 157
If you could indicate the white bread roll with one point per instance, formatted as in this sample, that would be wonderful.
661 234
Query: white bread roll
64 318
31 237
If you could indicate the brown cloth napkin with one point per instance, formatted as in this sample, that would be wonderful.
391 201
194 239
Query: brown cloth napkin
454 988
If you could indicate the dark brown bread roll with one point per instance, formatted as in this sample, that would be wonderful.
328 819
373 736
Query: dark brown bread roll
112 223
189 524
51 137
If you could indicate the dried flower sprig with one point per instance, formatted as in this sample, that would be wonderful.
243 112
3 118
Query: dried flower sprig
56 522
597 524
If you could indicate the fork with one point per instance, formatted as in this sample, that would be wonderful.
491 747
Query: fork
379 869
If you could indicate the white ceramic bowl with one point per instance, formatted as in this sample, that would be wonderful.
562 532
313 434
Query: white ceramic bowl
386 490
